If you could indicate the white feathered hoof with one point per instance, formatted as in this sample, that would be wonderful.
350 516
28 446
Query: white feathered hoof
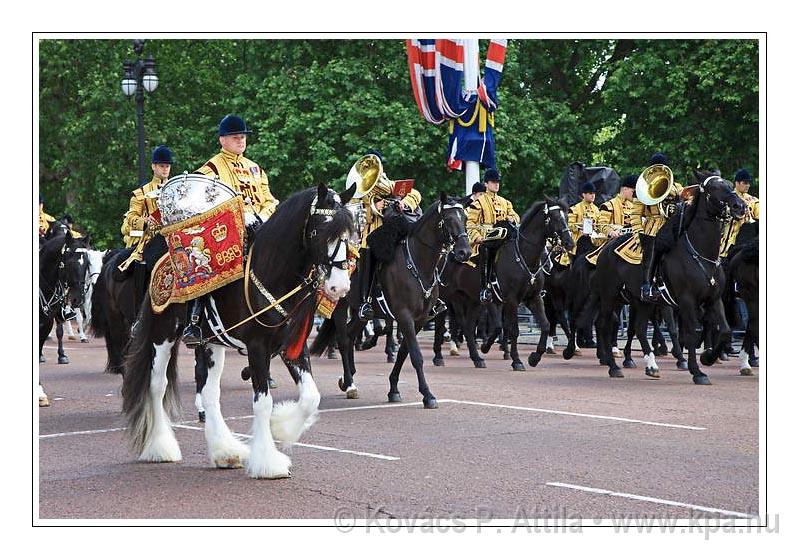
288 422
231 455
162 448
272 464
746 371
352 392
44 401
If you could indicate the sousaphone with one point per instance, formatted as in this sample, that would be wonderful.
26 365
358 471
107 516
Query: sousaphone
654 185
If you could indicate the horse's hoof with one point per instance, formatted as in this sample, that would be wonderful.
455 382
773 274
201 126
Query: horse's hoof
617 373
41 359
682 365
616 352
454 352
479 363
272 383
228 463
201 416
340 383
246 373
534 358
44 401
577 351
701 379
568 354
352 392
85 340
550 350
438 361
390 358
628 363
72 337
723 357
485 348
651 372
517 366
63 360
395 397
705 358
506 356
753 362
430 403
660 351
746 371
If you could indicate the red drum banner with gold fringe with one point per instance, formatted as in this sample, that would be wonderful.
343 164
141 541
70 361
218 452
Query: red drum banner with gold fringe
206 251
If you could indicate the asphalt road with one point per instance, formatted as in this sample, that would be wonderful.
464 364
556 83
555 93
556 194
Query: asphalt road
561 441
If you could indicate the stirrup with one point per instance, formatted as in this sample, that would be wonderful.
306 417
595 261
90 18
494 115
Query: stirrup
192 335
365 312
485 296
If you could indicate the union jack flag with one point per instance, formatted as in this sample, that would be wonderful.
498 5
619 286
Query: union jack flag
436 67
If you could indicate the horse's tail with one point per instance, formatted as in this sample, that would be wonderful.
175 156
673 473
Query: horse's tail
137 402
325 335
98 322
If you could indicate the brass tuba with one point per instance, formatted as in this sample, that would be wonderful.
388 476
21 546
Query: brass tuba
654 185
370 180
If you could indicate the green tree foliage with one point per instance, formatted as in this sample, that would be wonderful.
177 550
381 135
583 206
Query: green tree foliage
316 105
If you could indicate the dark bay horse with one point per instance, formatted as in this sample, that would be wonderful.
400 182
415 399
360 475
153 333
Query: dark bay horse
410 284
63 264
692 274
301 246
519 274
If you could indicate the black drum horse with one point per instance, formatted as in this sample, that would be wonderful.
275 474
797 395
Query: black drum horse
301 246
691 272
63 264
410 284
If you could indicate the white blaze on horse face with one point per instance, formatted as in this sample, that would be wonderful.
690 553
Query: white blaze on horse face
338 282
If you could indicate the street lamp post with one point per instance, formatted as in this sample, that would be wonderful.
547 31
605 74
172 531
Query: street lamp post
139 76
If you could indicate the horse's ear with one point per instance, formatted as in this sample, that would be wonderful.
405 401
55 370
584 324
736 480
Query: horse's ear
701 175
347 194
322 192
89 240
443 197
68 238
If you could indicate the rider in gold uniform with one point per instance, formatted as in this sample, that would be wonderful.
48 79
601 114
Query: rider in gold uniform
741 182
582 216
245 177
483 214
374 220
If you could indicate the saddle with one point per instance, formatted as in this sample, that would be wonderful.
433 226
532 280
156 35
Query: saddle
396 226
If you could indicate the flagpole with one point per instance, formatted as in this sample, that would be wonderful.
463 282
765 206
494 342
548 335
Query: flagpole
471 71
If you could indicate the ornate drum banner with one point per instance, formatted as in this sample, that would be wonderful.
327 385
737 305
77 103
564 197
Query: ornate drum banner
206 251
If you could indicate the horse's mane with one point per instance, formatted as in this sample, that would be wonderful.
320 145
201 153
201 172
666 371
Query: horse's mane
430 211
531 213
287 225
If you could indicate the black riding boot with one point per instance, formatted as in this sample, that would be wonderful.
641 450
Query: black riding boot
192 335
485 295
647 242
365 311
66 313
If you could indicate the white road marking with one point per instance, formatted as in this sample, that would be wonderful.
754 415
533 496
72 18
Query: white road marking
649 499
309 445
579 414
85 432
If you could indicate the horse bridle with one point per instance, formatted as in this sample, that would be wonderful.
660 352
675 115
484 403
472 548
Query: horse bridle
314 279
61 286
447 245
555 235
